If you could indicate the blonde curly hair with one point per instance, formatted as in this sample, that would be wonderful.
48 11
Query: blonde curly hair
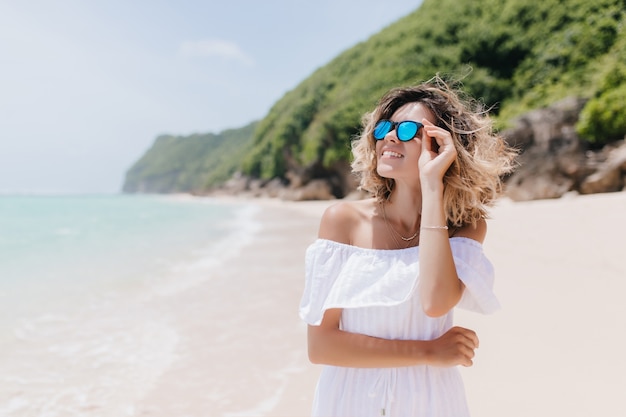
474 180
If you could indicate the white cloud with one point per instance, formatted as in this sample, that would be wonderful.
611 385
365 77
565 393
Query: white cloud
214 48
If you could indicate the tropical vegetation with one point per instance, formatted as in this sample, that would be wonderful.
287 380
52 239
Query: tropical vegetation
514 55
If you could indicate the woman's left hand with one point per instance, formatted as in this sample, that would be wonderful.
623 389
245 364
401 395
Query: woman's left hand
435 160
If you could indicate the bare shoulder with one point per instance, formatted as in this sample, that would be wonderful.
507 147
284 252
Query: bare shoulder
343 219
476 232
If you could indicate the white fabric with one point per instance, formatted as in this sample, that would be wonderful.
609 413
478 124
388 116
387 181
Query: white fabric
377 290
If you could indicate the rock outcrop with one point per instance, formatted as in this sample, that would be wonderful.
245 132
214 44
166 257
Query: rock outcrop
554 160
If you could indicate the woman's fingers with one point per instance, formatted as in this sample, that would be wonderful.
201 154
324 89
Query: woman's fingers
466 341
436 158
426 145
469 334
456 347
441 136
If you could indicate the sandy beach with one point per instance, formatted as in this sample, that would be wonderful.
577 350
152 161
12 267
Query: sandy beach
555 347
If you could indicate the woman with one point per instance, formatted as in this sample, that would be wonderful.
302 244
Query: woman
385 273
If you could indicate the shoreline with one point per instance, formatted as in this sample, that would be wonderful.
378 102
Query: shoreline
243 347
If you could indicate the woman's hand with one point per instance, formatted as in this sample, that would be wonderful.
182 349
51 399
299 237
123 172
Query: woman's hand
435 160
455 347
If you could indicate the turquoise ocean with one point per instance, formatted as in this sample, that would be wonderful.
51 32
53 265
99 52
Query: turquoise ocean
79 276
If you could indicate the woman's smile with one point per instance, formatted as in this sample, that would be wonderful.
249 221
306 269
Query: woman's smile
391 154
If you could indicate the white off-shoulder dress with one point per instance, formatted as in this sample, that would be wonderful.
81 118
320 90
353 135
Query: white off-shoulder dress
377 290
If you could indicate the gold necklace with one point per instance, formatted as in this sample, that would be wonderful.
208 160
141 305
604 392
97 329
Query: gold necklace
393 236
406 239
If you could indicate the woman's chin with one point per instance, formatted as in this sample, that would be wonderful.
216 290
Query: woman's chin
386 171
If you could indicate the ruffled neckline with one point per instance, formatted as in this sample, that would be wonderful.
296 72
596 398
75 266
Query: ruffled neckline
355 248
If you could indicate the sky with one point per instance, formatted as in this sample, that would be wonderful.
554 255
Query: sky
87 86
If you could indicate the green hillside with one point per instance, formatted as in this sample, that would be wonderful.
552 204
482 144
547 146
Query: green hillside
188 163
515 55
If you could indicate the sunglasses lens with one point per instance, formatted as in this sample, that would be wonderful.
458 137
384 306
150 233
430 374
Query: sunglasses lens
407 130
382 128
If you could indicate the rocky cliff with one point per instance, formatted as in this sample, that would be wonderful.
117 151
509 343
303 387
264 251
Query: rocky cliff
553 161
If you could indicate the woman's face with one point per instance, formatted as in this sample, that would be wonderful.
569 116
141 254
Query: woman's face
397 159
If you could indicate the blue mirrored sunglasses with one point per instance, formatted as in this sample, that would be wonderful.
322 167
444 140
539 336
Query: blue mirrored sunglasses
405 130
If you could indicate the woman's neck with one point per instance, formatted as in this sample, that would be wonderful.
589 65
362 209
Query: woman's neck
404 207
